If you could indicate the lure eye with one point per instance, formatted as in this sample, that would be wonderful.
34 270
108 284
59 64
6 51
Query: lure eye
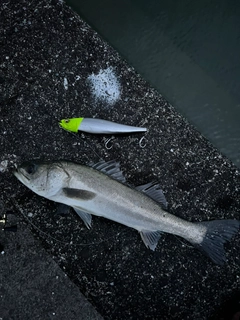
67 120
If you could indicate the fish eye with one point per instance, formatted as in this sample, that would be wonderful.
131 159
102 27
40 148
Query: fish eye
31 168
67 120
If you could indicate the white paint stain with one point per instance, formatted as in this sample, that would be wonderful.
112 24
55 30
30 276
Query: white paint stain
65 83
105 86
3 165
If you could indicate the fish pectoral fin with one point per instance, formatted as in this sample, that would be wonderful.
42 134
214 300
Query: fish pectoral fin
78 194
86 217
154 191
110 168
150 238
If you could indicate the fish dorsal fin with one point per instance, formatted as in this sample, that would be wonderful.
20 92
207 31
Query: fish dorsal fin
111 168
153 190
86 217
150 238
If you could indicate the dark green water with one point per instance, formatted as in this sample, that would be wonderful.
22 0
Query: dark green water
188 50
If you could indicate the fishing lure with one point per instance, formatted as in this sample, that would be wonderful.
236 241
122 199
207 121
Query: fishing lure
97 126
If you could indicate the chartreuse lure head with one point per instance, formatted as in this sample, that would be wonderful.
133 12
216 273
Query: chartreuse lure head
71 124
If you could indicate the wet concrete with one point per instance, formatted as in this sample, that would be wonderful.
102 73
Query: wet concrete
48 55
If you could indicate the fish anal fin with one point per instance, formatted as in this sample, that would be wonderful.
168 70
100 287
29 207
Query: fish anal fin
150 238
86 217
78 194
110 168
154 191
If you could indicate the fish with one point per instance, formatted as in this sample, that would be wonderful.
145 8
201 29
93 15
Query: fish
101 190
97 126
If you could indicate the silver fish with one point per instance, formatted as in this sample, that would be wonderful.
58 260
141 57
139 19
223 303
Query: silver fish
101 190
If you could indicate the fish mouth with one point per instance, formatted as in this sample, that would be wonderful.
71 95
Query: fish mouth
19 174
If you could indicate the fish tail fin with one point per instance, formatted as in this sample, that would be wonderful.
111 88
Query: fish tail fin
218 232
